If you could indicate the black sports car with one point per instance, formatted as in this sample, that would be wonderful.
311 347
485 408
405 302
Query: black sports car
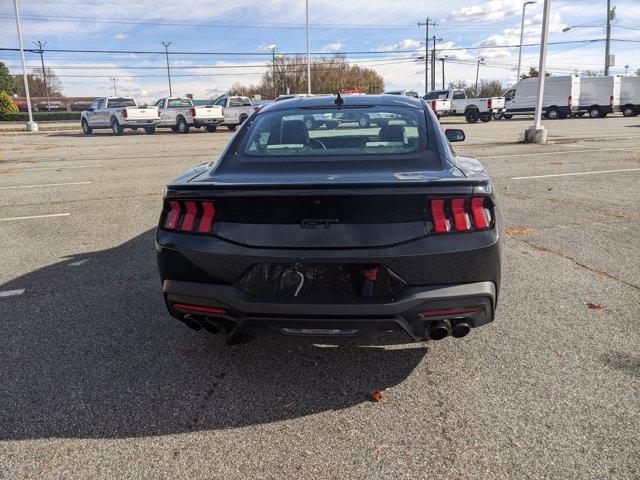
334 231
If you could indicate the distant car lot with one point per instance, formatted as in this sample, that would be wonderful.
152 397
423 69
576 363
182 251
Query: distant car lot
102 383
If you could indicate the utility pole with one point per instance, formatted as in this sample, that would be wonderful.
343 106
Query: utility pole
524 6
31 126
308 52
480 60
273 69
426 52
626 69
607 48
166 54
433 62
44 72
115 90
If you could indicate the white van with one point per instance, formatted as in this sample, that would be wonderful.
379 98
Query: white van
630 96
561 97
599 95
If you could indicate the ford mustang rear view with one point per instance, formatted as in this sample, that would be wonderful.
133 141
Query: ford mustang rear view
334 216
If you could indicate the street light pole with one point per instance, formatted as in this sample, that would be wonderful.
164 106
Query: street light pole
44 73
273 69
166 54
442 60
537 133
115 90
524 6
607 48
480 60
308 51
31 126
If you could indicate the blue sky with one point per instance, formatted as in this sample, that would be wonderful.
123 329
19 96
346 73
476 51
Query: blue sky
386 28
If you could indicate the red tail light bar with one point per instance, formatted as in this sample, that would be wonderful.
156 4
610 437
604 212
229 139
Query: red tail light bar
460 214
433 105
192 112
192 216
124 113
489 102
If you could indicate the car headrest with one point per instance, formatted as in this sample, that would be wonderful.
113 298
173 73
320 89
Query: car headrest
391 133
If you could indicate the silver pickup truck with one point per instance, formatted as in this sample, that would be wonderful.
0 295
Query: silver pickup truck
180 114
118 113
235 108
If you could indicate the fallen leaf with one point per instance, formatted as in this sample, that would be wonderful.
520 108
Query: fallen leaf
518 231
377 395
595 306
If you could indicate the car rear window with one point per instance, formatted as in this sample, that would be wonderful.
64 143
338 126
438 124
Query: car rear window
121 102
335 132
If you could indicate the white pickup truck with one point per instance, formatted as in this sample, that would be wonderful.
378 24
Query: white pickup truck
235 108
118 113
180 114
440 106
473 109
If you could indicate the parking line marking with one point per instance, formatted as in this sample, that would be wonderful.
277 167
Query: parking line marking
35 216
539 153
11 293
578 173
45 185
56 168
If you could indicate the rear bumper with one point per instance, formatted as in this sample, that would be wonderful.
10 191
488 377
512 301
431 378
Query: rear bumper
141 123
200 122
410 312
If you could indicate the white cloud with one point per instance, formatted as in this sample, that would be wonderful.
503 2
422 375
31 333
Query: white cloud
120 36
333 47
490 11
406 44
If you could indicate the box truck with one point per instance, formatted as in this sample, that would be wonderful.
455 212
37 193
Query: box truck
561 97
599 95
630 96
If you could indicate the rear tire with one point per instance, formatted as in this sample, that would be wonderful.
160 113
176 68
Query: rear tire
86 129
498 116
242 119
486 117
135 129
552 114
629 111
594 112
231 127
116 128
472 115
210 128
310 123
507 116
182 126
149 130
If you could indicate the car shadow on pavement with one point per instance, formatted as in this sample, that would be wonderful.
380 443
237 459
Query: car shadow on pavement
88 351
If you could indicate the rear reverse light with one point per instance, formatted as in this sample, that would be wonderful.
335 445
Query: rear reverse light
189 216
192 112
570 101
460 214
198 308
489 102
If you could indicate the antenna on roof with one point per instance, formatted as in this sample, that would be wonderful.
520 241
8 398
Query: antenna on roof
339 101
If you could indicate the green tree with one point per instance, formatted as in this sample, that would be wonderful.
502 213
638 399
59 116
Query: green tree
7 105
533 72
7 82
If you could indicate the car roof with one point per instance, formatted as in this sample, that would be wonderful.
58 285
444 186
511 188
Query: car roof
349 101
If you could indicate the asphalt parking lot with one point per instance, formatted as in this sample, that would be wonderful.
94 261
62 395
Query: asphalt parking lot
97 381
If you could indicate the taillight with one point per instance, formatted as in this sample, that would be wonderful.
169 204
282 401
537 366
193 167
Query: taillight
192 112
192 216
570 101
124 113
460 214
158 113
433 105
489 103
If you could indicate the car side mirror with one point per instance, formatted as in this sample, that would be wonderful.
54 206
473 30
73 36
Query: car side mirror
455 134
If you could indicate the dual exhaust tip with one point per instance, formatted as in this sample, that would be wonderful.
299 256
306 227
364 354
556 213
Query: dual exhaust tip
211 325
439 329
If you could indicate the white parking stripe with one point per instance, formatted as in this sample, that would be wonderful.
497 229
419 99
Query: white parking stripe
578 173
11 293
56 168
45 185
35 216
539 153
